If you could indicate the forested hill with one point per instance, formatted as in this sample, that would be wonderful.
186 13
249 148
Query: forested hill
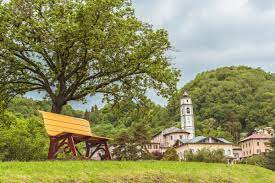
230 99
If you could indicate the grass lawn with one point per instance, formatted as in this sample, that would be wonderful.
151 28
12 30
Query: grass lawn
147 171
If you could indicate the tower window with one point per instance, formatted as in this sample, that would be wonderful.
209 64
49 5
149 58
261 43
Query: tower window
188 110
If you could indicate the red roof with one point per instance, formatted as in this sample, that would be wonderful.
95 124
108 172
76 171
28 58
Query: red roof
257 136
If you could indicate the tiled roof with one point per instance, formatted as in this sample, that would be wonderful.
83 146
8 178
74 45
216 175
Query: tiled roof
257 136
223 140
173 130
198 139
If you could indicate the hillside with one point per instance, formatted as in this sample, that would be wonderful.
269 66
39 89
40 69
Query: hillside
150 171
230 99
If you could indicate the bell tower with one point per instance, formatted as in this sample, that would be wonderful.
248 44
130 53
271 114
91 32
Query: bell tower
187 115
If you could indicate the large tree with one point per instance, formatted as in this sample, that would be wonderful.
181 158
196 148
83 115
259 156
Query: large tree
75 48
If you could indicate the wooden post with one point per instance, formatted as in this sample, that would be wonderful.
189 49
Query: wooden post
107 151
72 145
52 148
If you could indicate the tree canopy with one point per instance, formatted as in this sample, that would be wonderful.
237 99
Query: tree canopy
76 48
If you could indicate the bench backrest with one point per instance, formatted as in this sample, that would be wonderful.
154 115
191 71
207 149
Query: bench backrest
57 124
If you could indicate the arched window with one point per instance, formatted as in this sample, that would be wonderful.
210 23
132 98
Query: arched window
188 110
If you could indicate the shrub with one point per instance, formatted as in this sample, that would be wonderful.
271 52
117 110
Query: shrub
270 157
258 160
205 155
170 155
22 140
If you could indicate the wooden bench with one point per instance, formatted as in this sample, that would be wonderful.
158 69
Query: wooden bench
65 132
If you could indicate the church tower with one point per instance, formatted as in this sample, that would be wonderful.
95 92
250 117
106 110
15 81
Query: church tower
187 115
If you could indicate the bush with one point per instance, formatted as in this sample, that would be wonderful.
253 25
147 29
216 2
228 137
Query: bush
170 155
258 160
205 155
270 157
22 140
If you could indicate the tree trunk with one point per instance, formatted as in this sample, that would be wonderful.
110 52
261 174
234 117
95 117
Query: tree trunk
56 108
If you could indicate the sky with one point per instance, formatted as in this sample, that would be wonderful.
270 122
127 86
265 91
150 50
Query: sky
209 34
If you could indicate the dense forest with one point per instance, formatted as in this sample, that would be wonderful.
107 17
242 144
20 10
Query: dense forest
228 102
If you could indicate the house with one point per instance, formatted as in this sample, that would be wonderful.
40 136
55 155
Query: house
168 137
254 144
201 142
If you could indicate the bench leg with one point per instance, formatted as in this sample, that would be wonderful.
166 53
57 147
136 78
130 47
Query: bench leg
52 148
72 145
107 152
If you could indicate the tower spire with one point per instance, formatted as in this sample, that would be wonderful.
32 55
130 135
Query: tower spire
187 115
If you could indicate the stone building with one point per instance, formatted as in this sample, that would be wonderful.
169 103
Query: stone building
254 144
168 137
201 142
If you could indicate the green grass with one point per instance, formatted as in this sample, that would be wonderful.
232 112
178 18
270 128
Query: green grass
148 171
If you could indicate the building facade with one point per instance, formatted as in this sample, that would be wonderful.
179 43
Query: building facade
201 142
255 144
168 137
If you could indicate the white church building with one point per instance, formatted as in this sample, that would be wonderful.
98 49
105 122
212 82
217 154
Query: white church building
184 139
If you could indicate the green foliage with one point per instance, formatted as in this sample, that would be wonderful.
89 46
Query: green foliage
111 120
270 157
131 144
170 155
72 49
230 99
22 139
258 160
205 155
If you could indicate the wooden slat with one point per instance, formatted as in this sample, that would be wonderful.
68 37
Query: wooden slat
66 125
56 124
53 133
65 119
62 130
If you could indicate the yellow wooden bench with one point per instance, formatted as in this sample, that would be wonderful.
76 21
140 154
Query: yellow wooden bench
65 132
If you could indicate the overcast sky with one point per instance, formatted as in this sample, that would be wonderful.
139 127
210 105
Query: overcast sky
212 33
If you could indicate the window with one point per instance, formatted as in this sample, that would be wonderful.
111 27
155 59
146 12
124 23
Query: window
258 143
188 110
187 100
149 146
171 137
249 144
258 151
229 152
155 146
180 136
249 151
245 145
